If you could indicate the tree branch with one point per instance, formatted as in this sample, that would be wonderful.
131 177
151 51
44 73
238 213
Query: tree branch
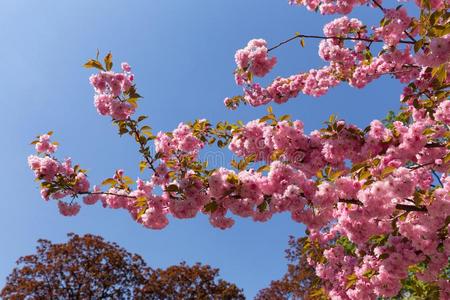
142 145
105 193
405 207
437 177
333 37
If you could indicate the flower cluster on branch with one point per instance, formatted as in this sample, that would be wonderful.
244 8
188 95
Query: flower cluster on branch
376 201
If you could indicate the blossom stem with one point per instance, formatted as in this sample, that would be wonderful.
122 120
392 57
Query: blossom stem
142 145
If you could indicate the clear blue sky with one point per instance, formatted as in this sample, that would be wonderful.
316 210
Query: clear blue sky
182 53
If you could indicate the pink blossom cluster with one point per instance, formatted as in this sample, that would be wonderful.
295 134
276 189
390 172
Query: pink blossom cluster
442 113
329 7
49 170
253 60
290 180
375 201
181 140
329 208
371 275
437 53
397 22
44 145
109 86
347 63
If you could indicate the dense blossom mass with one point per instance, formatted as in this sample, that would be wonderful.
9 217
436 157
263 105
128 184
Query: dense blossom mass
376 201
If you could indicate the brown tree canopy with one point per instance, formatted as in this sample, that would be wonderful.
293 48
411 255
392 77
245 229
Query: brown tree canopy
85 267
88 267
185 282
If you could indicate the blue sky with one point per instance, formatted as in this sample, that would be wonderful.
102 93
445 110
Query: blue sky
182 53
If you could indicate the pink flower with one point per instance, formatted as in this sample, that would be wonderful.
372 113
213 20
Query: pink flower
125 67
44 145
68 210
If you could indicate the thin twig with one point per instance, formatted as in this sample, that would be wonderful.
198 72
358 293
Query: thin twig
437 177
405 207
332 37
142 147
106 193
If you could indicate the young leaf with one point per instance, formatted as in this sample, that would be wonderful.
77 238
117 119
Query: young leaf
110 181
388 170
92 63
108 61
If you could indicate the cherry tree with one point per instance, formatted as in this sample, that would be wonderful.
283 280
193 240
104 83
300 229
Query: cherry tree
375 200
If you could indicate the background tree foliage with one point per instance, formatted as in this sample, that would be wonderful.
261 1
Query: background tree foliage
185 282
88 267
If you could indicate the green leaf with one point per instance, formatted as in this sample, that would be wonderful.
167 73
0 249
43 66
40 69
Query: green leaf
251 158
383 256
141 213
146 130
442 74
263 206
418 45
263 168
388 170
447 158
285 118
357 167
110 181
319 174
336 175
127 180
108 61
140 202
234 163
364 174
428 131
142 118
369 273
351 281
332 118
264 119
317 294
232 178
210 207
250 76
276 154
142 166
92 63
133 102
